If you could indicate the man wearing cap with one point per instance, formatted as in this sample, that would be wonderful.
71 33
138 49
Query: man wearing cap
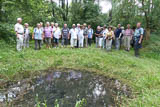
26 35
19 34
73 35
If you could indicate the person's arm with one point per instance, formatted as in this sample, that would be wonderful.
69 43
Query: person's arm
141 37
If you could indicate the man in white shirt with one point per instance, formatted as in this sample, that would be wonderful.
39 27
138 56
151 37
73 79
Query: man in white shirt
73 36
26 36
19 34
56 35
104 32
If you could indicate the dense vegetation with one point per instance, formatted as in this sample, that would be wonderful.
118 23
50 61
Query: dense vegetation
141 74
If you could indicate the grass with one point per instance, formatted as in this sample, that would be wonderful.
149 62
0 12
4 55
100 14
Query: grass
141 74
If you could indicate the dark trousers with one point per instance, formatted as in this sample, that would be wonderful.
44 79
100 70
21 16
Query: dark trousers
38 44
89 41
137 46
64 41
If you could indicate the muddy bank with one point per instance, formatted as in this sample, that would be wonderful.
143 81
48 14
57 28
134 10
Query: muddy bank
67 86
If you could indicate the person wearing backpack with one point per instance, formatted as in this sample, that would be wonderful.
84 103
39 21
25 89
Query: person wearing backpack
37 36
138 37
65 35
26 36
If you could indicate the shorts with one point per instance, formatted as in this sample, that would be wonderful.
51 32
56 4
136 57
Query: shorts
56 41
48 40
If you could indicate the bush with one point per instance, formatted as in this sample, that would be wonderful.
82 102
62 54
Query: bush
7 32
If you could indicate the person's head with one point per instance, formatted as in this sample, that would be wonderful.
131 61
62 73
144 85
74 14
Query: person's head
19 20
98 28
104 27
81 26
78 25
122 28
65 25
128 26
138 25
119 26
38 25
56 24
84 24
41 24
109 28
89 26
47 24
52 24
73 26
26 25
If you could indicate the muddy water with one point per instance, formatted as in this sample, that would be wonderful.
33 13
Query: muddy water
68 87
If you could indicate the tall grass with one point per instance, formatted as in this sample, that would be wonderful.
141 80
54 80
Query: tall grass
141 74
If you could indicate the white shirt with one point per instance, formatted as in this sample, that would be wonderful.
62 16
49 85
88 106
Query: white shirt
74 33
19 28
56 33
105 32
80 34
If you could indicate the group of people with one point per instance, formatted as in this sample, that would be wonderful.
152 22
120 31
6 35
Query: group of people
80 36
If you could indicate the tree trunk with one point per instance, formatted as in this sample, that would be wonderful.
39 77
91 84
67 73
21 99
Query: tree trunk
148 33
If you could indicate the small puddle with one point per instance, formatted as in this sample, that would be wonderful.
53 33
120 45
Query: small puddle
65 87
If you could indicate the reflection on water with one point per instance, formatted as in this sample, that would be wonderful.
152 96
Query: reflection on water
66 86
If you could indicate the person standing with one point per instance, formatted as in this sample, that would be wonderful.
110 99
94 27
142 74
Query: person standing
127 37
118 34
65 35
81 37
90 35
53 28
85 35
78 29
109 37
105 30
98 34
19 34
26 36
56 35
41 26
73 36
138 36
48 35
37 36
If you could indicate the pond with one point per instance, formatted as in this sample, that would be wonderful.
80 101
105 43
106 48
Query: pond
66 88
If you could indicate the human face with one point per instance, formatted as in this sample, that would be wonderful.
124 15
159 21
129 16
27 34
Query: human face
38 25
65 25
138 25
128 26
119 26
110 29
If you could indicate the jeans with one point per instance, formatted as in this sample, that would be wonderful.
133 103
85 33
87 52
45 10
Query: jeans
137 46
89 41
64 41
117 43
38 44
104 43
97 41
